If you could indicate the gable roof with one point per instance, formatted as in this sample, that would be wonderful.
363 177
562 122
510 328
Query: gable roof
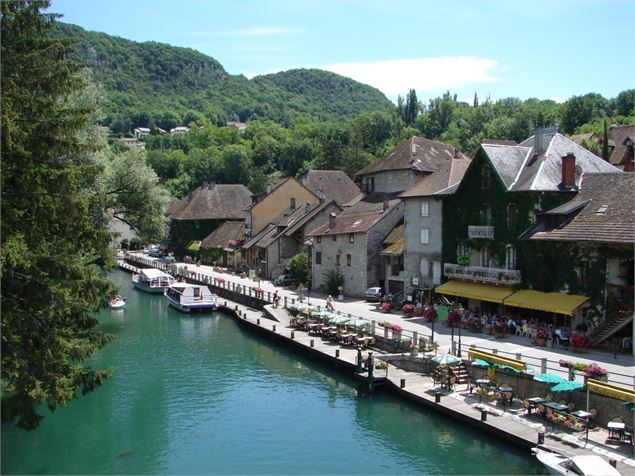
601 212
620 135
331 185
214 202
352 221
417 153
260 197
521 170
442 181
221 236
265 235
304 219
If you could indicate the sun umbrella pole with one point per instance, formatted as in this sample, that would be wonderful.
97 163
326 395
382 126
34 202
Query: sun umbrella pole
586 436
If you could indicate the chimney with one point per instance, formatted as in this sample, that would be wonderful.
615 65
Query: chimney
413 150
456 153
307 207
332 217
385 205
538 138
568 171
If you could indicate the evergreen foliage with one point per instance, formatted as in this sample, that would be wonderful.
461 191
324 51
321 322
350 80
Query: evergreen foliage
299 268
54 238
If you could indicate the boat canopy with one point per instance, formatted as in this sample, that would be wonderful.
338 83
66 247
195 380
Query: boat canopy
153 273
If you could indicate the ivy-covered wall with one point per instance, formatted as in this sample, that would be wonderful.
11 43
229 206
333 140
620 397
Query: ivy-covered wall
544 266
183 232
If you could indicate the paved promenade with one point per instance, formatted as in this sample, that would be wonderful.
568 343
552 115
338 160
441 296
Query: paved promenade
621 366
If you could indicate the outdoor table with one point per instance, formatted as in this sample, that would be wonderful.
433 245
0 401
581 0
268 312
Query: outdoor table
616 430
582 414
534 402
482 382
557 407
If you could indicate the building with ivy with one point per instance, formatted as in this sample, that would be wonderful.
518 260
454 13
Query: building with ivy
487 261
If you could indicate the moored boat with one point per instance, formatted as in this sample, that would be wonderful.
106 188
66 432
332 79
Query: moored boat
117 302
191 297
558 463
152 280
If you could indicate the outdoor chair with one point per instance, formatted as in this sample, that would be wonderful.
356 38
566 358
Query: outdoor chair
541 409
549 397
571 406
628 436
527 406
562 401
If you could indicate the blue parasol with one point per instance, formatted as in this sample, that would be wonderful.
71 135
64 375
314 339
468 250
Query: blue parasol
549 378
567 386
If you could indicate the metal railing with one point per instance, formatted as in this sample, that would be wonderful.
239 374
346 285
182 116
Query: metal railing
482 274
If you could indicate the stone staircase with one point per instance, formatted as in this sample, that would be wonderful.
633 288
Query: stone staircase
610 327
462 374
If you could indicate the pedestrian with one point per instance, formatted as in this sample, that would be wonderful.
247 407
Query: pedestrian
329 304
276 299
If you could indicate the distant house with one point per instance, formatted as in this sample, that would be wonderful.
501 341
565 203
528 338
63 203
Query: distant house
620 147
272 248
195 216
179 130
241 126
223 245
405 166
599 222
331 185
141 132
133 143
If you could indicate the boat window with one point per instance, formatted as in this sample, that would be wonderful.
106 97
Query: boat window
571 466
197 292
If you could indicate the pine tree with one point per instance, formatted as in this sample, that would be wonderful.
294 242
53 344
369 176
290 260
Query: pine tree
54 242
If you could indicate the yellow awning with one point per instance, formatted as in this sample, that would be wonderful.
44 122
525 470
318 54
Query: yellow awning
395 249
610 390
550 302
484 292
496 359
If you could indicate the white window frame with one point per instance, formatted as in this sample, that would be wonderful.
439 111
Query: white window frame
425 208
425 236
510 257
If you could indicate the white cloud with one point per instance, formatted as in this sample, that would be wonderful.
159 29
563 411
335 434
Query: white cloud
394 77
558 99
248 32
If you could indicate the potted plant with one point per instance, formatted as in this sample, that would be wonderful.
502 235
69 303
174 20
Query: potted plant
579 343
429 314
541 336
387 326
385 307
414 348
596 372
408 309
396 332
567 364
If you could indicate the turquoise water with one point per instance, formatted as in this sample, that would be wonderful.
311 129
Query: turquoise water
198 395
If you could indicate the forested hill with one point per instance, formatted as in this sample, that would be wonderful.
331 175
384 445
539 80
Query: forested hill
154 84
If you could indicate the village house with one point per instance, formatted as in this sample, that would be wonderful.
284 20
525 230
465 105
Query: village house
195 216
503 189
423 236
331 185
223 246
620 146
179 130
272 248
597 230
141 132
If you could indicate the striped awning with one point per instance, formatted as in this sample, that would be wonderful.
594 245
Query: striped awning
484 292
610 390
550 302
474 354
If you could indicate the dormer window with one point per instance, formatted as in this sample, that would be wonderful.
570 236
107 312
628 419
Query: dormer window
292 203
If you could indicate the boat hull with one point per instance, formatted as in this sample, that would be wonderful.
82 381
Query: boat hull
149 289
192 307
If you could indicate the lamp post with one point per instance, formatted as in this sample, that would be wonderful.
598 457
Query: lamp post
460 325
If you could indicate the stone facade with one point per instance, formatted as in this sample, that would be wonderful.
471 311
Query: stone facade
389 181
422 262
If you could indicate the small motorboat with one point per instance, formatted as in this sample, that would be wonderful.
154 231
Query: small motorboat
117 303
191 297
558 463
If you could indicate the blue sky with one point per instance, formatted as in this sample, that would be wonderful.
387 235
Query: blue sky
548 50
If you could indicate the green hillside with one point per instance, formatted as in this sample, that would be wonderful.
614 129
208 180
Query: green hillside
154 84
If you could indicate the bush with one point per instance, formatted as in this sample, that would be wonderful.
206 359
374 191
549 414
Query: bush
579 341
135 243
333 280
124 243
408 309
299 268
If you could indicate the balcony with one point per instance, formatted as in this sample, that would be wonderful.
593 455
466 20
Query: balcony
481 274
480 232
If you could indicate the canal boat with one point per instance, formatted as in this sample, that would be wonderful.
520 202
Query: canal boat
561 464
152 280
117 302
191 297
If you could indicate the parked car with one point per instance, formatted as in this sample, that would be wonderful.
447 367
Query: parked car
284 280
373 294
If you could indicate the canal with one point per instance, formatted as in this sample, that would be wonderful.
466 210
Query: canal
199 395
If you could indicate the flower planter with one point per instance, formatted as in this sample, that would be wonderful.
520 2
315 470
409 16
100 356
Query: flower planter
541 341
414 352
580 350
386 332
500 335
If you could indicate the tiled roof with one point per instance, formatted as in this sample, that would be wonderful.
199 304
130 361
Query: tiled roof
396 248
372 201
221 236
620 135
605 213
351 222
214 202
448 175
266 234
520 170
301 221
331 185
429 155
